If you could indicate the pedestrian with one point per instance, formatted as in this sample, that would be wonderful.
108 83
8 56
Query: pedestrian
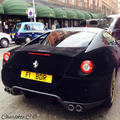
6 28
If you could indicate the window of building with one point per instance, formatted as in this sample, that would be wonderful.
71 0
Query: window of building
73 2
64 1
87 3
97 3
80 2
93 2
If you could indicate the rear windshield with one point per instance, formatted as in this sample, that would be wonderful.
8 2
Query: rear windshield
93 22
17 27
68 39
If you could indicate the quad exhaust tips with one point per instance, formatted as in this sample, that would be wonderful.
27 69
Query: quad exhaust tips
8 90
12 91
77 108
71 107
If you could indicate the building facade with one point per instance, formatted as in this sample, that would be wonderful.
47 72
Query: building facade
119 7
106 6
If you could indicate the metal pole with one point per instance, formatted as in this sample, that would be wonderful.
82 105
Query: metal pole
34 12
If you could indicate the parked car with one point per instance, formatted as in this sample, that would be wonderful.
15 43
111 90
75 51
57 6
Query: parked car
26 31
93 22
112 24
78 66
5 40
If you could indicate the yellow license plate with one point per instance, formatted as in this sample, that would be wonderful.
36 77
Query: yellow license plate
13 33
36 76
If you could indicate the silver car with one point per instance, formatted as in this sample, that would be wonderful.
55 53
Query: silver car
5 40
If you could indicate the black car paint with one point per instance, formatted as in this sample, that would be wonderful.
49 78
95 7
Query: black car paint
69 82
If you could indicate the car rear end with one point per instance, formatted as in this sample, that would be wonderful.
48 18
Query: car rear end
77 79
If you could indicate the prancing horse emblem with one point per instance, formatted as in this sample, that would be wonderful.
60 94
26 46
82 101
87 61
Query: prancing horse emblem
35 64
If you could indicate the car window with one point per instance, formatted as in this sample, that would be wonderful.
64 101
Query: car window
93 22
108 39
17 26
107 21
37 26
27 27
68 39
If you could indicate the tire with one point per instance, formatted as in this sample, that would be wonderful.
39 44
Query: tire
4 43
28 39
110 99
29 94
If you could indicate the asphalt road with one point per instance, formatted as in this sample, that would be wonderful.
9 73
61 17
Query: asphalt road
41 108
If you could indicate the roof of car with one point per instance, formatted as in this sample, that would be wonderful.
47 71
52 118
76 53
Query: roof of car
87 29
114 16
28 22
93 19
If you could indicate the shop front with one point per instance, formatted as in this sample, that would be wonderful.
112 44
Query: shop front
14 11
46 15
1 13
60 17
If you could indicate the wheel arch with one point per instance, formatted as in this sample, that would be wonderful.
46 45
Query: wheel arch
28 36
5 38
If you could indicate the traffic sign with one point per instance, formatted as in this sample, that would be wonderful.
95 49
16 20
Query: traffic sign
30 13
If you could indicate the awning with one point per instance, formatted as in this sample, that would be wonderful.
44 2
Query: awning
60 13
101 15
15 7
80 14
71 14
45 11
87 15
1 9
94 16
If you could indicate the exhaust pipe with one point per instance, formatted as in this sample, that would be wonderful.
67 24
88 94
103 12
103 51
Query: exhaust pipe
78 108
71 107
10 91
7 90
13 91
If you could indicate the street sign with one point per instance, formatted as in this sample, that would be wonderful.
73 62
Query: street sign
30 13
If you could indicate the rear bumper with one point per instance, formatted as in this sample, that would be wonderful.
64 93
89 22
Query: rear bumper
85 90
15 90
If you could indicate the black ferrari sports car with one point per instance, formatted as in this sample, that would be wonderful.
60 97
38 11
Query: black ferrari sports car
78 66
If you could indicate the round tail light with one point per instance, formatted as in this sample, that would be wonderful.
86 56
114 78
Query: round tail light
6 56
86 66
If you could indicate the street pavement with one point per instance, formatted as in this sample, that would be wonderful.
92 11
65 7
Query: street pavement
42 108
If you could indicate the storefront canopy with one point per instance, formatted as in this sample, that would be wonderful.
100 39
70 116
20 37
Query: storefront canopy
15 7
94 16
87 15
71 14
80 14
45 11
101 15
1 9
60 13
